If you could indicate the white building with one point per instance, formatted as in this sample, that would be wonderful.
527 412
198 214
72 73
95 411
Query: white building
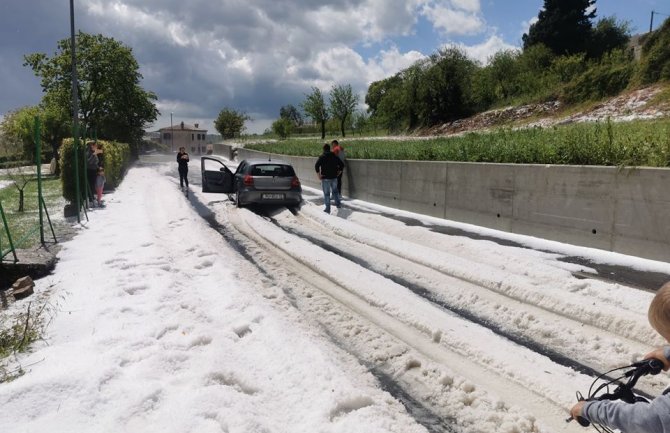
191 137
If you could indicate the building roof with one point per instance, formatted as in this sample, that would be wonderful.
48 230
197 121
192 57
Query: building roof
183 127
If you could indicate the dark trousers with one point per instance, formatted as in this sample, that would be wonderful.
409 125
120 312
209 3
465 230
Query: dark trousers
91 175
183 177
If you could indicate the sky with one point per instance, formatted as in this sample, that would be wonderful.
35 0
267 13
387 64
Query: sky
255 56
258 325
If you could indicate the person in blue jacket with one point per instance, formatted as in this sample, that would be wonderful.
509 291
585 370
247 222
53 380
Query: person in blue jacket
640 417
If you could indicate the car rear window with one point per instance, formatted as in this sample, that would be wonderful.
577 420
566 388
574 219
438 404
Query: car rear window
272 170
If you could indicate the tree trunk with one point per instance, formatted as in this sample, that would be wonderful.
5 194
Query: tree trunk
342 126
323 129
20 201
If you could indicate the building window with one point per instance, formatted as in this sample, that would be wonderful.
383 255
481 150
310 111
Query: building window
166 136
191 137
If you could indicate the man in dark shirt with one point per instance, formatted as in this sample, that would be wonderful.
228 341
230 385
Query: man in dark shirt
328 167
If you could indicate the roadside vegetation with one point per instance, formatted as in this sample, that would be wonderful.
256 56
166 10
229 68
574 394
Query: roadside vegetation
22 224
636 143
19 328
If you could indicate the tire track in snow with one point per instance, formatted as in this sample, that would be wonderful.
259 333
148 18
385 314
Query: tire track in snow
515 287
643 280
499 384
427 294
421 413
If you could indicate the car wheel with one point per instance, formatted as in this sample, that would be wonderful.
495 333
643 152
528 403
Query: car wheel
237 199
204 187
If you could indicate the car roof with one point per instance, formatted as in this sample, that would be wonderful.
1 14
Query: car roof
258 161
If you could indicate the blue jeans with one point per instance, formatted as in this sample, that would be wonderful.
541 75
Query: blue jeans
330 186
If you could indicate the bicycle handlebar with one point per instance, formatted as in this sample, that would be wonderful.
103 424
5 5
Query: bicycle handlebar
624 391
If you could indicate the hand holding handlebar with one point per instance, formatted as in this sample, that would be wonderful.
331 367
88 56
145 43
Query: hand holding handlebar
652 364
576 413
659 353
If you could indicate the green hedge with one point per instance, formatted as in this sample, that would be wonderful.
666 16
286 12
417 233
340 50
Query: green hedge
116 158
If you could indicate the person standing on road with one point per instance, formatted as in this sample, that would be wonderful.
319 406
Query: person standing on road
100 184
182 160
328 167
338 150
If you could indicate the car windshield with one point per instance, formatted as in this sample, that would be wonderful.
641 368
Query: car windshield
272 170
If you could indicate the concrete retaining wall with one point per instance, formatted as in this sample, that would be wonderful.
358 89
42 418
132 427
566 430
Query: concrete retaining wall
624 210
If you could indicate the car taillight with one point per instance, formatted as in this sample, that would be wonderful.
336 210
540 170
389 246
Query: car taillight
295 182
248 180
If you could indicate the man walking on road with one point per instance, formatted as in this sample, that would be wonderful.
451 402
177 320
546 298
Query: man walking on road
328 167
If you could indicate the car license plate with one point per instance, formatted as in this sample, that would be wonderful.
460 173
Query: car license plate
268 196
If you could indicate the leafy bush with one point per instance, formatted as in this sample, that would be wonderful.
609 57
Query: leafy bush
608 34
655 62
116 161
567 68
282 127
608 77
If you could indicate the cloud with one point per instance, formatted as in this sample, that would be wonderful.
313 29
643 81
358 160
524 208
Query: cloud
483 52
457 17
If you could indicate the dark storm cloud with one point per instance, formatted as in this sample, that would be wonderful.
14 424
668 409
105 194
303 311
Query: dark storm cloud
27 27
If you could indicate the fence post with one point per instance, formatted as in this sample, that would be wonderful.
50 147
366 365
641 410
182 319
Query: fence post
38 156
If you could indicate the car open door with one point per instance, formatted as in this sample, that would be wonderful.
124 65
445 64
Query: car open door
216 177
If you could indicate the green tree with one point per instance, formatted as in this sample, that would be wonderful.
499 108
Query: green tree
292 114
18 127
282 127
445 89
411 81
504 67
111 101
536 80
360 121
384 103
315 107
608 34
564 26
343 101
230 123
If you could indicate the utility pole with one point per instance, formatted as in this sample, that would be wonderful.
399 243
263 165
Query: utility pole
75 110
651 23
171 133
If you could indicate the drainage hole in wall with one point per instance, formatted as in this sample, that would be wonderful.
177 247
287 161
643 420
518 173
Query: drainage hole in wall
434 204
498 215
593 231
